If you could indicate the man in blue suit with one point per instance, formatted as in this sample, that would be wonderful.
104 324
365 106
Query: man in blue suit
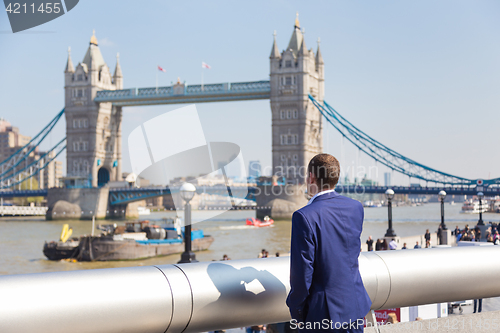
327 293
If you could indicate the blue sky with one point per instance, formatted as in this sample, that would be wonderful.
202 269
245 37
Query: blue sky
422 77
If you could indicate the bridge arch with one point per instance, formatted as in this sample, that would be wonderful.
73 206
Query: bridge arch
102 176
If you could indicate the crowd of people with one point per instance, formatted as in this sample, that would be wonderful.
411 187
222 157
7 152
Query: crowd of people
383 244
492 235
474 235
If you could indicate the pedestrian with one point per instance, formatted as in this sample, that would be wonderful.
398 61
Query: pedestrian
404 246
378 245
456 231
393 245
369 243
262 253
256 329
417 246
439 235
392 318
385 246
427 237
277 254
325 282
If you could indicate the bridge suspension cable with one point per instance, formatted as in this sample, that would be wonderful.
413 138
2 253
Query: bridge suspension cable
33 168
388 157
13 171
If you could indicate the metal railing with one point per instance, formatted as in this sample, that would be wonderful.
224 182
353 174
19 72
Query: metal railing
217 295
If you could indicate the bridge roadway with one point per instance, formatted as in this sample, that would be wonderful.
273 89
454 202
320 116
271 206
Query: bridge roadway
183 93
125 195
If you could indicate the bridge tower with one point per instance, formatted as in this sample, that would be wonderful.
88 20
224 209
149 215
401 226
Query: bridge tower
93 130
296 123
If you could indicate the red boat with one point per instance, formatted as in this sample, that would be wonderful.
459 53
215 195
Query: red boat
258 223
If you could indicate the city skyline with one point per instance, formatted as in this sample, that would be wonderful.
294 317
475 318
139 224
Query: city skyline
417 77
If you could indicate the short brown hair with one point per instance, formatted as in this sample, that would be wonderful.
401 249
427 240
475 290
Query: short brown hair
326 169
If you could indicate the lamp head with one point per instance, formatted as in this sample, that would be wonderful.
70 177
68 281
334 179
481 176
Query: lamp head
480 195
188 191
442 195
389 194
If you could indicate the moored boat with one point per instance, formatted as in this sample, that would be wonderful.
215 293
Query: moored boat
137 240
62 250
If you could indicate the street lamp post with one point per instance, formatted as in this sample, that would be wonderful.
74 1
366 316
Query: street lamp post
442 195
187 193
480 195
389 195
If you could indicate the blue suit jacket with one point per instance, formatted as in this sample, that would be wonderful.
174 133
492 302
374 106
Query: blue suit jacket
324 275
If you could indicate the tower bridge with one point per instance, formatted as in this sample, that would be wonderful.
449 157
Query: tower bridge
94 101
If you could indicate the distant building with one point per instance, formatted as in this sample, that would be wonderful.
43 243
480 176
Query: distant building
254 169
387 179
11 141
368 182
51 175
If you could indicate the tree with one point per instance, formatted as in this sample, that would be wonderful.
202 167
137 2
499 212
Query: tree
27 184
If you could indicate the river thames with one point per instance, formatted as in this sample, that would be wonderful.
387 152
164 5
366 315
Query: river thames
22 238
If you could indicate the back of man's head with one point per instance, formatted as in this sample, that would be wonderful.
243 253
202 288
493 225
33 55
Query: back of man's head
326 170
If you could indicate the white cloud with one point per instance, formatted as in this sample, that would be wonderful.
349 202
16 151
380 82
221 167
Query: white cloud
106 42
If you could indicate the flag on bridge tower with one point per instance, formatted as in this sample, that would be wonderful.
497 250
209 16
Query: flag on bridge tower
203 65
161 70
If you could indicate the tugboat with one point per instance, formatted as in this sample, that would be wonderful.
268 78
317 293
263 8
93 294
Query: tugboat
258 223
135 240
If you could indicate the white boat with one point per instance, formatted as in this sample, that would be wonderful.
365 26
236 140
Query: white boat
472 207
372 204
143 211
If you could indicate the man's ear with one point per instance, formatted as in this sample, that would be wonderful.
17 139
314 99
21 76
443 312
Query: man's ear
312 178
